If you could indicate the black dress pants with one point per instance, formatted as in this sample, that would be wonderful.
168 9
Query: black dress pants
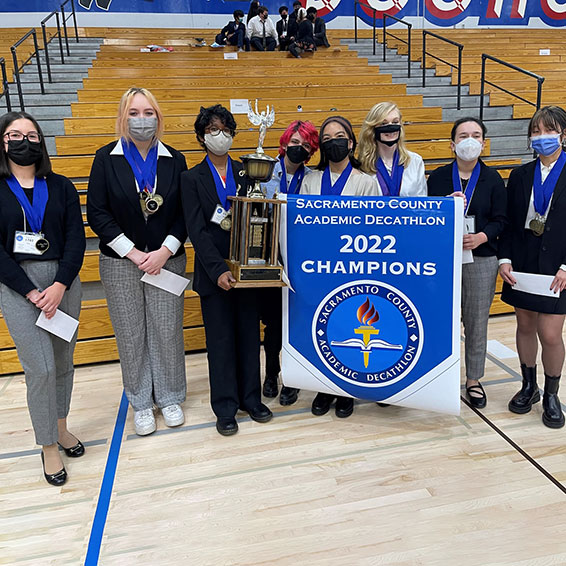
231 323
270 313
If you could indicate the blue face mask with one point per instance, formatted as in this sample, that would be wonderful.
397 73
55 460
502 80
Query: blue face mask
546 144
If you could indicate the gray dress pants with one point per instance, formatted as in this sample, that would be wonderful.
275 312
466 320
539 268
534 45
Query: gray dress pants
47 360
148 323
478 289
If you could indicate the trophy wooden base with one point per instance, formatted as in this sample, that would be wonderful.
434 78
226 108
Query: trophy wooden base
255 275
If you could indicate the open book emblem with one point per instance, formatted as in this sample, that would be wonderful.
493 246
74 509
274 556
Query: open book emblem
367 316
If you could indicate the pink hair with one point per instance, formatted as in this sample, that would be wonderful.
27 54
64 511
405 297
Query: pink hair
306 130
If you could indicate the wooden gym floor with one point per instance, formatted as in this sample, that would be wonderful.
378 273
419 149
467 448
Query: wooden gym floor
386 486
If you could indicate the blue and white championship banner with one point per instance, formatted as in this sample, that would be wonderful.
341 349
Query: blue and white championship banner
372 309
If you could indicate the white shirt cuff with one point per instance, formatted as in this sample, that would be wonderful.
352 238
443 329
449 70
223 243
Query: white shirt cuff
504 260
563 267
172 244
122 245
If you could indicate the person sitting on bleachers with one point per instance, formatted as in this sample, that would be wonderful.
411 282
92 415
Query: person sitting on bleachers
261 31
304 41
234 33
319 28
282 27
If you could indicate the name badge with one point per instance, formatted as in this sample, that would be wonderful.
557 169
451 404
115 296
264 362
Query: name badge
219 215
470 224
30 243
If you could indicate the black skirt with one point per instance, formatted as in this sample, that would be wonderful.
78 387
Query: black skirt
528 301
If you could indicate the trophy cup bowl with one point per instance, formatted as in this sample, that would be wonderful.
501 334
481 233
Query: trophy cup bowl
259 168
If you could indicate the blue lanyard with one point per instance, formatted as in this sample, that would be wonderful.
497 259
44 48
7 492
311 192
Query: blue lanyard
327 188
390 184
470 187
296 181
144 171
36 211
223 191
542 192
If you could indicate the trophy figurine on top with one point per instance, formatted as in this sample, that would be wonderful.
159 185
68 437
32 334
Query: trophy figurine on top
254 237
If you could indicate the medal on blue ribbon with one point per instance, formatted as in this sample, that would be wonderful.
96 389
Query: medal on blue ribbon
35 212
390 184
224 190
144 172
542 193
296 181
327 188
470 187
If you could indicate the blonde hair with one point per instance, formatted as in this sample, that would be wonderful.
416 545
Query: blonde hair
367 149
122 129
302 15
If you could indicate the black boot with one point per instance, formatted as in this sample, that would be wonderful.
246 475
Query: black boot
552 415
270 386
529 394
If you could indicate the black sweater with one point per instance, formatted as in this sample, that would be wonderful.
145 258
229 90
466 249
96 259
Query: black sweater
488 204
62 227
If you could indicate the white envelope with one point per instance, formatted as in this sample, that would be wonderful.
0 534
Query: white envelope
467 256
60 324
168 281
534 283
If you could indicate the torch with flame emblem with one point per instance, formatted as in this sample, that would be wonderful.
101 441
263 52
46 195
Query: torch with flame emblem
368 316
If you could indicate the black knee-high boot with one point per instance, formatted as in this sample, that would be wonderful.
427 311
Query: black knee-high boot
524 399
552 415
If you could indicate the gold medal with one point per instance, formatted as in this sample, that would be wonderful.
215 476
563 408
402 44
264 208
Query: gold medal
226 222
153 203
42 245
537 225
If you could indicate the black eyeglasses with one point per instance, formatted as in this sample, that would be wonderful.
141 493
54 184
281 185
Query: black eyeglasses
14 135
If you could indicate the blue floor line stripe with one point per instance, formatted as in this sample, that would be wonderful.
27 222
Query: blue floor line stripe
95 540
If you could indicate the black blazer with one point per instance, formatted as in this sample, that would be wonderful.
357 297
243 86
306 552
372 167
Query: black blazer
488 205
62 226
211 243
320 31
233 27
305 33
553 241
113 202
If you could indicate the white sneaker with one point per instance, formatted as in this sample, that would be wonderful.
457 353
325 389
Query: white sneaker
144 422
173 415
215 45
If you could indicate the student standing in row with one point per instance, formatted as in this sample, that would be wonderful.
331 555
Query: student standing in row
134 206
485 219
534 241
382 152
298 143
231 318
337 174
42 244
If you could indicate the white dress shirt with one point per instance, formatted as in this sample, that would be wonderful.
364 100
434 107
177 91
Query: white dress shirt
255 28
121 244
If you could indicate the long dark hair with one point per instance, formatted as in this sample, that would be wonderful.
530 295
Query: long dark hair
254 10
323 163
43 166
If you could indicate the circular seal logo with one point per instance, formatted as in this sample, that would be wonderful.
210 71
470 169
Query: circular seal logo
368 333
323 7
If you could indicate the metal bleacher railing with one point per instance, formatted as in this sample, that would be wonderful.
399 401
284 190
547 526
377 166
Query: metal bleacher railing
5 86
18 67
484 81
407 41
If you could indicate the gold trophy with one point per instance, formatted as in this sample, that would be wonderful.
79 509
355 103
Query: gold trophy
254 236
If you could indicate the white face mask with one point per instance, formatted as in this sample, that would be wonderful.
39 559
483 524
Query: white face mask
220 144
468 149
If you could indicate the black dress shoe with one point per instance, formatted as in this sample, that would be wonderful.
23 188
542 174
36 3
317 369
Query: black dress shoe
288 395
321 404
57 479
226 426
344 407
260 413
75 451
270 387
479 398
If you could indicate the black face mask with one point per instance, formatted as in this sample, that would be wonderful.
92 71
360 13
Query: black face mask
24 152
296 153
336 150
310 17
387 129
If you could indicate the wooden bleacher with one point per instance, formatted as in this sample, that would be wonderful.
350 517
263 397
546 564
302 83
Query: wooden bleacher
333 81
